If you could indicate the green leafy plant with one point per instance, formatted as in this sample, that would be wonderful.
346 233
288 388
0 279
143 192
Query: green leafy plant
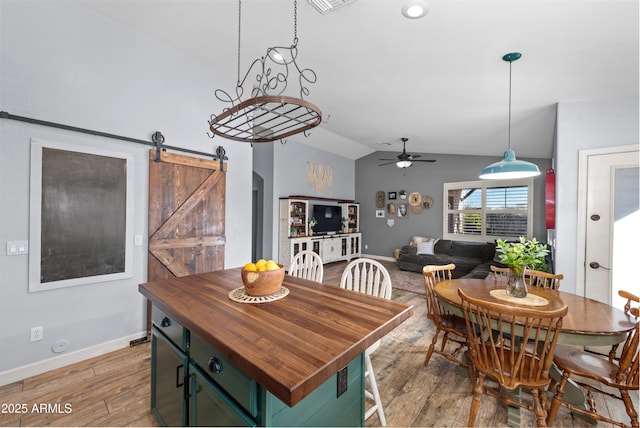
523 254
312 222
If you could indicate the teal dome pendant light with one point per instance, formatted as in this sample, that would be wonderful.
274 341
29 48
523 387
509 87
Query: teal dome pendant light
509 167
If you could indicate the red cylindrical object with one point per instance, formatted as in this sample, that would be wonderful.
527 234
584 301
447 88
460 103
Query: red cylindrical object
550 199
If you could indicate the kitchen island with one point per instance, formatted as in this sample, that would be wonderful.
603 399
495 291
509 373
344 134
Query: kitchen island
291 362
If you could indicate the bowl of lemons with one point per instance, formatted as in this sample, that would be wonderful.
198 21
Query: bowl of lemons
262 278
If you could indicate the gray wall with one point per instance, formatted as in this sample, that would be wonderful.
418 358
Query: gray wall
62 63
263 166
290 175
581 126
427 179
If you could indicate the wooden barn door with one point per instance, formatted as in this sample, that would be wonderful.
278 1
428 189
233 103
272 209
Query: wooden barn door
186 216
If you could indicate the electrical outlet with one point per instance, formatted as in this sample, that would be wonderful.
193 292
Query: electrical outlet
37 333
343 380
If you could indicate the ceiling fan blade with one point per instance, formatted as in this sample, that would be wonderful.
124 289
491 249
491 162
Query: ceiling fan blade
395 160
387 163
423 160
415 156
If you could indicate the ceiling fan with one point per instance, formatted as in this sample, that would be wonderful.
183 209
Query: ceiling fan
405 160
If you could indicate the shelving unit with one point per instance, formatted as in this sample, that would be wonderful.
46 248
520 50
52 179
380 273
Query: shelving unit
352 213
294 231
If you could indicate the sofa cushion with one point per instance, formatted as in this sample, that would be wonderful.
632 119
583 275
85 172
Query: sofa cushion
443 246
472 259
415 262
480 250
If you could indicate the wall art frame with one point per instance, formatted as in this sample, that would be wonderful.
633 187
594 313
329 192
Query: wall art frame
80 217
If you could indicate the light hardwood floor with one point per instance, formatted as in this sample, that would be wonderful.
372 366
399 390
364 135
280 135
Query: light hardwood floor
114 389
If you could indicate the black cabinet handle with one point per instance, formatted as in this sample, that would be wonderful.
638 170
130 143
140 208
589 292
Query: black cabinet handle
214 365
179 379
165 322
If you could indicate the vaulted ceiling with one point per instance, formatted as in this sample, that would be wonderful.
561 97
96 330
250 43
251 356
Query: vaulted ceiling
439 80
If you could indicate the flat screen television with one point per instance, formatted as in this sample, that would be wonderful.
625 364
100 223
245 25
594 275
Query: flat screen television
329 218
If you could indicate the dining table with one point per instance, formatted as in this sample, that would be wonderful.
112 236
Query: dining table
588 322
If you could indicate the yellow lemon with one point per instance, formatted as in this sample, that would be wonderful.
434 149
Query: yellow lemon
271 265
250 267
261 262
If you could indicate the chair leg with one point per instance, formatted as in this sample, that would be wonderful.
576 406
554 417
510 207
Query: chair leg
475 401
557 399
538 409
445 337
374 391
431 347
628 404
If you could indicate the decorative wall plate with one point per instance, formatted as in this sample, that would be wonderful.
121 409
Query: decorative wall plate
427 201
414 199
416 209
391 207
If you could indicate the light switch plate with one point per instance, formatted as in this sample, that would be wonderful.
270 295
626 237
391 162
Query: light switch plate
15 248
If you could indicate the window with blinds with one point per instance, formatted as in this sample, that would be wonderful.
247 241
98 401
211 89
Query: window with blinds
484 211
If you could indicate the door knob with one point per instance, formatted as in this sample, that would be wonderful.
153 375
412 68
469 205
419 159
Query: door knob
596 265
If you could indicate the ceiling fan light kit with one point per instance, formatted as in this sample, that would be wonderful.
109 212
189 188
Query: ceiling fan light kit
509 167
268 114
405 160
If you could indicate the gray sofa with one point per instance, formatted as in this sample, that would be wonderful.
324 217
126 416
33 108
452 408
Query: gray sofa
472 259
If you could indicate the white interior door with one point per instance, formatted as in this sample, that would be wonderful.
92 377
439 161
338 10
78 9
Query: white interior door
612 219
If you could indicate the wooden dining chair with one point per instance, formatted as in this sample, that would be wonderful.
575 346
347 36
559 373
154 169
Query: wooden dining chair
369 277
511 366
307 265
616 373
500 273
445 322
630 310
537 278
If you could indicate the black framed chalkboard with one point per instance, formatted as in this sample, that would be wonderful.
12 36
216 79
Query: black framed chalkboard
79 216
83 218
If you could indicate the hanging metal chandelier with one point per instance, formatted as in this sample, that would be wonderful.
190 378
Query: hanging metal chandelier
268 115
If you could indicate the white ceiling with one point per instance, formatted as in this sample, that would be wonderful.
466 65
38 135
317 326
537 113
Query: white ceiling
439 80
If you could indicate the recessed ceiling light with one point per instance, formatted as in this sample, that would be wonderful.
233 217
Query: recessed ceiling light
414 9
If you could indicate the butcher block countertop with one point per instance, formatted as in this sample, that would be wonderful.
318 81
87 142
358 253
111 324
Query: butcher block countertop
289 346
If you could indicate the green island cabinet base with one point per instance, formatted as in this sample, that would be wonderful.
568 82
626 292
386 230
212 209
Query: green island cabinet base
296 361
193 385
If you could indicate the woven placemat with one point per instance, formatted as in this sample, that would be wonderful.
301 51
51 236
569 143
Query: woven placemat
240 295
528 300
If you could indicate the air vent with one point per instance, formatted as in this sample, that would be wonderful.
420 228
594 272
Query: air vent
326 6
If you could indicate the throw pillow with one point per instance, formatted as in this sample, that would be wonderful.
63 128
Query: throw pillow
418 239
425 247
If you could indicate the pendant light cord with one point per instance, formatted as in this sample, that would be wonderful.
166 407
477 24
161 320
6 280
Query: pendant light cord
510 64
239 23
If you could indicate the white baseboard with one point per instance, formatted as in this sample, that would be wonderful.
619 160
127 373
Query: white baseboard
373 256
39 367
